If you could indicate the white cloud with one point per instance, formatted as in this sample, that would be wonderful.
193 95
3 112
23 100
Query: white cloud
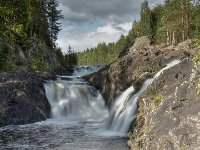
79 30
89 38
107 29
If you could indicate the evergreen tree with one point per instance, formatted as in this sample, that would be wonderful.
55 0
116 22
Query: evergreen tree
54 15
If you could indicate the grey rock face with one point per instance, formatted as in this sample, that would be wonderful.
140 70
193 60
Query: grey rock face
22 98
120 75
174 123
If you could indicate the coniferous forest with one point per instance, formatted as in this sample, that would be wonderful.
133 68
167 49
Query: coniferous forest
24 21
171 23
21 20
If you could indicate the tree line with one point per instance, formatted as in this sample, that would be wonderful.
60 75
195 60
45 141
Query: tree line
69 59
22 19
171 23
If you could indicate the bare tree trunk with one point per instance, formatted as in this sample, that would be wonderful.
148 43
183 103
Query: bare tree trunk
167 37
173 40
187 20
183 22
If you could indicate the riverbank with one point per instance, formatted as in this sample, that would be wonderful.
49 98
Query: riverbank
168 114
23 99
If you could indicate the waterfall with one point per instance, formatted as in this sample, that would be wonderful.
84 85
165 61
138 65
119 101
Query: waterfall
84 70
70 96
124 109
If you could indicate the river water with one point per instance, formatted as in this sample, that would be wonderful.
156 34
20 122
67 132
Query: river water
78 118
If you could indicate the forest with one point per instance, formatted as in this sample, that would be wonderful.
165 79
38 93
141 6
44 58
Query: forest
171 23
23 21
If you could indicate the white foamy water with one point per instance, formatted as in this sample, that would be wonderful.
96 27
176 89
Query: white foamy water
84 70
77 100
78 119
124 110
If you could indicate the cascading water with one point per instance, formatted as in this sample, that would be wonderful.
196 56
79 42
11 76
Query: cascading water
77 100
124 109
84 70
78 118
71 97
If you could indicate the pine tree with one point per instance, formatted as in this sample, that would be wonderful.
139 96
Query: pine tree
54 15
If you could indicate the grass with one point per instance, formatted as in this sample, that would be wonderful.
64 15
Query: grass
153 94
140 114
169 141
146 129
129 134
139 138
179 80
198 86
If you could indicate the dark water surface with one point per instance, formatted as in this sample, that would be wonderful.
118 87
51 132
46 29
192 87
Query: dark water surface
61 135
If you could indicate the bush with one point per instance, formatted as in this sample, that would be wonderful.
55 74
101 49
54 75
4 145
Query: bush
6 64
38 60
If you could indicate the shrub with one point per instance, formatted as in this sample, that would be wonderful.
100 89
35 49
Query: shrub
38 60
6 64
153 94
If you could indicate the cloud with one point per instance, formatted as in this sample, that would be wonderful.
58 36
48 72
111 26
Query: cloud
90 37
89 22
92 11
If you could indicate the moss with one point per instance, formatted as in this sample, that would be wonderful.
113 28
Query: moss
153 94
169 141
139 138
146 129
140 114
198 86
129 134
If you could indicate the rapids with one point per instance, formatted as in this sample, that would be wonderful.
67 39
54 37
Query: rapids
78 114
79 118
124 109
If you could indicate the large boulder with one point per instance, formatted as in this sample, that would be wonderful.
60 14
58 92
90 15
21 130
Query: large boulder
141 43
168 111
22 98
138 59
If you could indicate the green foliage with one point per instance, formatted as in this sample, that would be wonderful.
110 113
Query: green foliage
129 134
153 94
146 129
68 59
198 86
179 80
39 64
6 64
21 20
197 56
170 23
103 54
140 114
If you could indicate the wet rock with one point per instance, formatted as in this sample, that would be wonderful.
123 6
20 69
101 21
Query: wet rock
22 98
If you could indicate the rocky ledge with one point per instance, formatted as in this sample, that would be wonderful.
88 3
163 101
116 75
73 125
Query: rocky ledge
168 111
22 98
139 61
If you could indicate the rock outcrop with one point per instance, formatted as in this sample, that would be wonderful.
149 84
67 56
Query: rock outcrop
22 98
168 111
142 58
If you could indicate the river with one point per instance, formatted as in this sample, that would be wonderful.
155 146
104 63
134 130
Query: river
78 118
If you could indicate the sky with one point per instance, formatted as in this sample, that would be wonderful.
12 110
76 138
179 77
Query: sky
89 22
